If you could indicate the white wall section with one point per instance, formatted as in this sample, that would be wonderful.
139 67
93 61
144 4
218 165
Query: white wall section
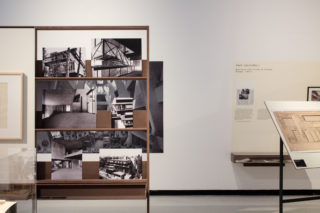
199 42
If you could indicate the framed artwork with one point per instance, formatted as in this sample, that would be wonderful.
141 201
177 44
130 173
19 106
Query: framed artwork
11 106
313 94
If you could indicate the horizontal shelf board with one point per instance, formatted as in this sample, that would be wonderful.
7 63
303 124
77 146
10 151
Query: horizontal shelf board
142 182
117 197
92 27
89 78
93 129
258 159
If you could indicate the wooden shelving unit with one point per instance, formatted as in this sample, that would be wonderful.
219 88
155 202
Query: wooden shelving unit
91 187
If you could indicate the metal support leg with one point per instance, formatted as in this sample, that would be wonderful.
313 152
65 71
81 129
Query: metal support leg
281 178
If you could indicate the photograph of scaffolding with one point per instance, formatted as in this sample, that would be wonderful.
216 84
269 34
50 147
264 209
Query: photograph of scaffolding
66 160
116 57
120 164
63 62
93 141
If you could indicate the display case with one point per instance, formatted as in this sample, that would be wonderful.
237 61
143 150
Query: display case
17 181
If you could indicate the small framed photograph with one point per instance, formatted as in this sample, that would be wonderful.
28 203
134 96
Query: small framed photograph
11 106
313 94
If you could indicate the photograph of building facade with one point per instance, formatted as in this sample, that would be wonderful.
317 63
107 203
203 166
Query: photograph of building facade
67 62
120 164
66 160
116 57
67 104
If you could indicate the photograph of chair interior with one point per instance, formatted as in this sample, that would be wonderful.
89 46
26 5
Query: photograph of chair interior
74 104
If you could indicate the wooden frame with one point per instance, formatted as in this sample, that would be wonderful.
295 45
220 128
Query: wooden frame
313 94
91 187
10 114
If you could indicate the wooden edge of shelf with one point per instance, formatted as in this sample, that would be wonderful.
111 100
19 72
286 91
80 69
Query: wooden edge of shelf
89 78
92 129
140 182
91 27
136 197
258 159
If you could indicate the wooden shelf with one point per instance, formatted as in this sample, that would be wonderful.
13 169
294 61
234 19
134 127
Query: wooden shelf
92 129
93 182
90 186
258 159
89 78
92 189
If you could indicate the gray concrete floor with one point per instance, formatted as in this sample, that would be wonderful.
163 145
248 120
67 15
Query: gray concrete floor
179 204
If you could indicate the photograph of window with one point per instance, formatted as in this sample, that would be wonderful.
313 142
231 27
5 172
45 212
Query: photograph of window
116 57
63 62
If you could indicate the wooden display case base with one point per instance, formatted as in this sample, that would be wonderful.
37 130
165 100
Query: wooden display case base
92 189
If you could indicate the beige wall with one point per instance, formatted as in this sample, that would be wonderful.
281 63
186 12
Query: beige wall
18 55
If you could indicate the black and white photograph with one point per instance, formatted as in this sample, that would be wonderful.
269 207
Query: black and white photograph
121 97
63 62
43 142
116 57
156 106
122 112
120 164
74 103
313 94
66 104
93 141
66 162
245 96
114 140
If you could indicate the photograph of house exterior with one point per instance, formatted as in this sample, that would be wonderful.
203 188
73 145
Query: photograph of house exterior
120 164
66 104
66 160
63 62
116 57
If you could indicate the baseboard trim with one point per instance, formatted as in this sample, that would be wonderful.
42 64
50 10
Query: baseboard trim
234 192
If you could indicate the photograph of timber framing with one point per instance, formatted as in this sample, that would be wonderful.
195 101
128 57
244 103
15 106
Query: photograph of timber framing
116 57
67 62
